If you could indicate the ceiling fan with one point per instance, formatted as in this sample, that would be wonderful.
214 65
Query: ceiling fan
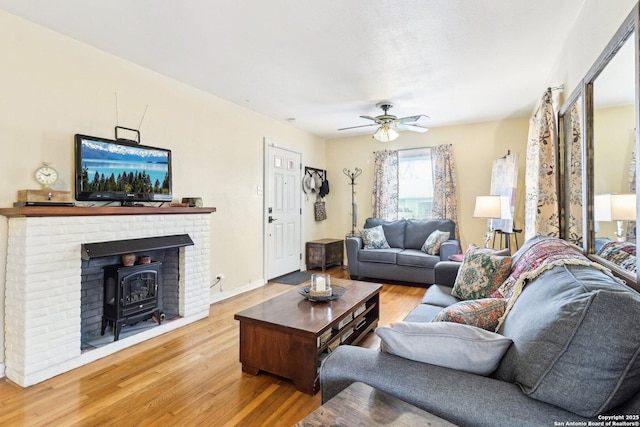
389 125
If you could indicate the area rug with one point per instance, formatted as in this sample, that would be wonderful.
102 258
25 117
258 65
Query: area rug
294 278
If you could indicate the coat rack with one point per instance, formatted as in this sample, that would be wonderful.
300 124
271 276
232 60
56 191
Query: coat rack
354 211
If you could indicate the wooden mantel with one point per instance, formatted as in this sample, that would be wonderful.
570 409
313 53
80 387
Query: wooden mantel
42 211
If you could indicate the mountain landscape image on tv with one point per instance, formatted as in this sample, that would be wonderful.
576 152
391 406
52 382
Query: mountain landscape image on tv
109 167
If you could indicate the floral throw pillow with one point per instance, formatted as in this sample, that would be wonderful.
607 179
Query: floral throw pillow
480 274
374 238
433 242
483 313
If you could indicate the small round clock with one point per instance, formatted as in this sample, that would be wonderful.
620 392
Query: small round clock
46 175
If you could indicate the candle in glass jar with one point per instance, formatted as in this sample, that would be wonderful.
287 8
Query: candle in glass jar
321 284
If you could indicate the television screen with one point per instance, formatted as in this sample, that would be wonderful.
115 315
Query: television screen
120 170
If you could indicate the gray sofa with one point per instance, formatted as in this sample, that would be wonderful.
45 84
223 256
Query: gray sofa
575 356
404 261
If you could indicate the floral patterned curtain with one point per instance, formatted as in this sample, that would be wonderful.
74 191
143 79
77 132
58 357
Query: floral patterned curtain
384 199
574 202
541 190
445 203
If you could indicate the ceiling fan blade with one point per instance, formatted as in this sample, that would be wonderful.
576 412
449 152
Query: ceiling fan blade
361 126
411 119
413 128
369 118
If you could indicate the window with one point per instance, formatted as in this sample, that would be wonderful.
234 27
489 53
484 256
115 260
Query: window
415 188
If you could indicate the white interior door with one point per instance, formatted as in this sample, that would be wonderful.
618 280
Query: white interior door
282 211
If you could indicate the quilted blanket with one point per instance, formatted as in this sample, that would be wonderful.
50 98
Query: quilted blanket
539 257
620 253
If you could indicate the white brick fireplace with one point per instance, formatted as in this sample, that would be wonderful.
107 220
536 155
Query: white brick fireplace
43 281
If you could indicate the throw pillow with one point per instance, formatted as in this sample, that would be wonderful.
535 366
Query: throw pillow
482 313
474 350
491 251
432 245
374 238
480 274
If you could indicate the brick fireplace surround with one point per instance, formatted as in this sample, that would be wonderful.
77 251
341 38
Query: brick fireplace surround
43 280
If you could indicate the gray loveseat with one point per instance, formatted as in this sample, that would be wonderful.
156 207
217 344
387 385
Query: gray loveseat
404 261
575 356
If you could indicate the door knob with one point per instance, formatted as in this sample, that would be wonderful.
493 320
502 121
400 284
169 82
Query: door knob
271 219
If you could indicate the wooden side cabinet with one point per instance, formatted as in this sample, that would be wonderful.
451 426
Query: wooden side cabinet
324 252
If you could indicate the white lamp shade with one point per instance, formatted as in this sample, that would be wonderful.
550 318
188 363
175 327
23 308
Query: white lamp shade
602 207
385 133
623 207
494 207
614 207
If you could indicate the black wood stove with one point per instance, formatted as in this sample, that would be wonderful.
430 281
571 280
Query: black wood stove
130 295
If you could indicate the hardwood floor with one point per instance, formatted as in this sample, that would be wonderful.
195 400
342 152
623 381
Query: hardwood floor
186 377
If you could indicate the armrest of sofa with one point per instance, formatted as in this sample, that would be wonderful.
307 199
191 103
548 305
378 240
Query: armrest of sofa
353 244
450 247
436 389
446 272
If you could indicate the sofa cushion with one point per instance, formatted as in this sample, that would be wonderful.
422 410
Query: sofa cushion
374 238
439 295
480 274
482 313
423 313
417 231
476 350
416 258
576 340
383 256
394 231
431 246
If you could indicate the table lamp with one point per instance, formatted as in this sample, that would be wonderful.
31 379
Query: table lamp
615 207
491 207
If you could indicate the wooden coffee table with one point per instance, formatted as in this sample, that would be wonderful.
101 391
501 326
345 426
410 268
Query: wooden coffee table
362 405
289 336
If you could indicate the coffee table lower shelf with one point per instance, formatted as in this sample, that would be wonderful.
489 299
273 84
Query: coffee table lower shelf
289 336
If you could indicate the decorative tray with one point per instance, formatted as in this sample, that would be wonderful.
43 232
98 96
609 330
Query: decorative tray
336 292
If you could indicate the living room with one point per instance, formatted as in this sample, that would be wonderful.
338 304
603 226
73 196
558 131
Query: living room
54 87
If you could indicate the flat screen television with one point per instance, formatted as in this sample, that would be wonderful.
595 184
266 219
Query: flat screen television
121 171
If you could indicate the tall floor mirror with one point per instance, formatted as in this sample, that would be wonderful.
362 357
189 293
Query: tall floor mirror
610 97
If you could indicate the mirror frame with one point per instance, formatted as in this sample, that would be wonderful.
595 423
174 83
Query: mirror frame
629 26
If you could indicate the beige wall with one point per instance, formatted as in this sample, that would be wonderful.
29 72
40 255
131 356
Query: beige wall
614 140
595 25
475 146
53 87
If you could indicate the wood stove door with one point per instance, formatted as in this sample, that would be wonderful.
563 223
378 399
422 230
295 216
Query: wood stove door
139 291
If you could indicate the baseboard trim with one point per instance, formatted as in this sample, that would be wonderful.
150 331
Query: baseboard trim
221 296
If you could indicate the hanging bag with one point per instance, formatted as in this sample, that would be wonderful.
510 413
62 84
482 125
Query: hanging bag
320 211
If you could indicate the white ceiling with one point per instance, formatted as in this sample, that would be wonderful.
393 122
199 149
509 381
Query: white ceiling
325 63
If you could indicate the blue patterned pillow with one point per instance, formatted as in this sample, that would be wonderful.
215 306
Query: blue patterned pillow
374 238
433 242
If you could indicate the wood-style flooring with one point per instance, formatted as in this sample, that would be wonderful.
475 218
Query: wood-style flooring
187 377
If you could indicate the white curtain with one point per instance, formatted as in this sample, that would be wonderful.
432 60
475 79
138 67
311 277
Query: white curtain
384 199
541 192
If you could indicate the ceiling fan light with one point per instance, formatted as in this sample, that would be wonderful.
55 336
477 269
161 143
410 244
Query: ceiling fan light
385 134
